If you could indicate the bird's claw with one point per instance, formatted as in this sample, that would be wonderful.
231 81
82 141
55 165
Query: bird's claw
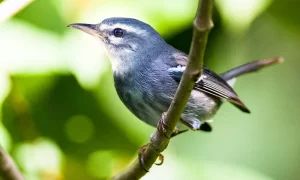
161 158
162 126
141 158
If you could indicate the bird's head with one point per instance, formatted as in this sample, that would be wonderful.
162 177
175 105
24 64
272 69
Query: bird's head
125 39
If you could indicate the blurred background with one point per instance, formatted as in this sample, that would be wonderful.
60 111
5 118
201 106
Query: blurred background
61 117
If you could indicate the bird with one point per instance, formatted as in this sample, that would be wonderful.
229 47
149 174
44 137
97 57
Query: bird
147 71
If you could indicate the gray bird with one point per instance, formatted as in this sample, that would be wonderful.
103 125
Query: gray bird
147 72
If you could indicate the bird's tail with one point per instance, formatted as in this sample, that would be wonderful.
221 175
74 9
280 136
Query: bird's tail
250 67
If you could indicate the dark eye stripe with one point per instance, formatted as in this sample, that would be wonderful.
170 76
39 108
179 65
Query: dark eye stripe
118 32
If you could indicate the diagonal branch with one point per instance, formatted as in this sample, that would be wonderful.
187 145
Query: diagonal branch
8 8
8 169
158 141
202 26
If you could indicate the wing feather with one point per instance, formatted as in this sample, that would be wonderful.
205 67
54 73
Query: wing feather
211 83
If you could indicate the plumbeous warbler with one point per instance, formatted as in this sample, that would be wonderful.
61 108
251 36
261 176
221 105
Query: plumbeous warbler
147 72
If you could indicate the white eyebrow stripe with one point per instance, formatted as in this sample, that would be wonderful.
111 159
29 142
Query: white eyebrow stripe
128 28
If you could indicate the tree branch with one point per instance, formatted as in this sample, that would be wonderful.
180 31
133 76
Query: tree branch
8 8
158 141
8 169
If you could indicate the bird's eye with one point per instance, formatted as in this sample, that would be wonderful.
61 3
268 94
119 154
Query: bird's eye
118 32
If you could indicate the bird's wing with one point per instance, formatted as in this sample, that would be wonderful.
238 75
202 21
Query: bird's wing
210 83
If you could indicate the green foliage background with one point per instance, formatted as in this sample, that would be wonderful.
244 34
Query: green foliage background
61 117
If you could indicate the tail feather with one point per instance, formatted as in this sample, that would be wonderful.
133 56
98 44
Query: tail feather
250 67
230 75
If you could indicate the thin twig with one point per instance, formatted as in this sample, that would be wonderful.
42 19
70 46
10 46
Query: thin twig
8 169
158 141
8 8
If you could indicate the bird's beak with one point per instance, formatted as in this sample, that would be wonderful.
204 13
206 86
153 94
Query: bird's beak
88 28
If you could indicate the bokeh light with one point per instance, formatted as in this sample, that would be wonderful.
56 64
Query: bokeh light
39 157
238 15
79 128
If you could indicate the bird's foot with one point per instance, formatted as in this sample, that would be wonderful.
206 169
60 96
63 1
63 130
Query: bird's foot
162 127
141 158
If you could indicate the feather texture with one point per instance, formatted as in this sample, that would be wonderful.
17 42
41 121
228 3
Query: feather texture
211 83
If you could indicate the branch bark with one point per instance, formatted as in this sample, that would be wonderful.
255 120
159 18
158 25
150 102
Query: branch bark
158 141
8 8
8 169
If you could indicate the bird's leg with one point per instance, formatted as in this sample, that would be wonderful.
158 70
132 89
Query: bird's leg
188 124
163 128
141 158
177 132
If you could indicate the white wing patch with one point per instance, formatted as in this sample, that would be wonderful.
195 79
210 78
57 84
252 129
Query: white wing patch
231 82
200 78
